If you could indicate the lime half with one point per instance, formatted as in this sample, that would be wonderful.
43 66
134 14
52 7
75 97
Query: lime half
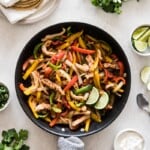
145 36
139 32
145 74
93 97
140 46
102 102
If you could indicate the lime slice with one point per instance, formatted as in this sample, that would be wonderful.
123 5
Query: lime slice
145 36
140 46
139 32
145 74
102 102
93 97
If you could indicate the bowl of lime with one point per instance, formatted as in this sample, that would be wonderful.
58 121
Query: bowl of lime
140 39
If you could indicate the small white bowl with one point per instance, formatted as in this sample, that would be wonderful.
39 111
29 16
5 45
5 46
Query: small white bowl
8 100
146 52
129 139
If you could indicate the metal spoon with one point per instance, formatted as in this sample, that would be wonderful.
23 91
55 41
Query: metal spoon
143 103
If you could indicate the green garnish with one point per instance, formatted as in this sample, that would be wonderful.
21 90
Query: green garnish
112 6
13 140
36 49
4 95
83 89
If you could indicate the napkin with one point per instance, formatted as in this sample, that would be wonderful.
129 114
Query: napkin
8 3
70 143
14 15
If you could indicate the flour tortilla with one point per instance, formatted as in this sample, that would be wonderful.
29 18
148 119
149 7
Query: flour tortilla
27 4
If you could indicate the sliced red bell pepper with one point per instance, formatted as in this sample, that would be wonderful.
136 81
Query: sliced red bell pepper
53 122
47 71
71 83
58 56
26 63
107 75
63 114
82 50
69 56
21 87
121 68
55 43
117 79
64 66
113 56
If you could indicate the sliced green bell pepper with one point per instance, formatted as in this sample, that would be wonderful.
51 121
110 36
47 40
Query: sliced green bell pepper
83 89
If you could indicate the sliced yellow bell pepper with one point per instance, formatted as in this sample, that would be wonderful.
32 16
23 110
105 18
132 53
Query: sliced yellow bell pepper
32 105
79 57
96 79
82 43
58 78
29 90
63 46
30 69
87 125
74 61
108 59
74 36
74 57
73 106
47 119
38 95
96 117
95 64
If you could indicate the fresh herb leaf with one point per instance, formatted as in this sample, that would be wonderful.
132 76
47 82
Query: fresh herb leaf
113 6
25 147
17 145
13 140
1 146
69 32
23 134
9 136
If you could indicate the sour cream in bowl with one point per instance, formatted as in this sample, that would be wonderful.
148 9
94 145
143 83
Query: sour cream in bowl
129 139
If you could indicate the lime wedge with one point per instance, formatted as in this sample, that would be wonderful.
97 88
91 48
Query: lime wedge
102 102
145 74
93 97
139 32
140 46
145 36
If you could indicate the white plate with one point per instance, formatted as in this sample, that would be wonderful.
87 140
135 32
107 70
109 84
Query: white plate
41 14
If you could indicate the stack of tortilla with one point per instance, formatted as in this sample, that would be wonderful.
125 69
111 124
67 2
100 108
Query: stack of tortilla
27 4
21 9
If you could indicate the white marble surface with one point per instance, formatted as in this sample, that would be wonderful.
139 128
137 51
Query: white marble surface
14 37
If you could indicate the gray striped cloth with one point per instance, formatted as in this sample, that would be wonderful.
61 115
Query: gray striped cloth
70 143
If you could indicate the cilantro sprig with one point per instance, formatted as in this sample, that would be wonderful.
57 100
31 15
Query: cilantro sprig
13 140
113 6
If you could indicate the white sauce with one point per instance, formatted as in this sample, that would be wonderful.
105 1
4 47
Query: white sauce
129 140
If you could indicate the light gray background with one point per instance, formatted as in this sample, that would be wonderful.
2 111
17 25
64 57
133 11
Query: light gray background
14 37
